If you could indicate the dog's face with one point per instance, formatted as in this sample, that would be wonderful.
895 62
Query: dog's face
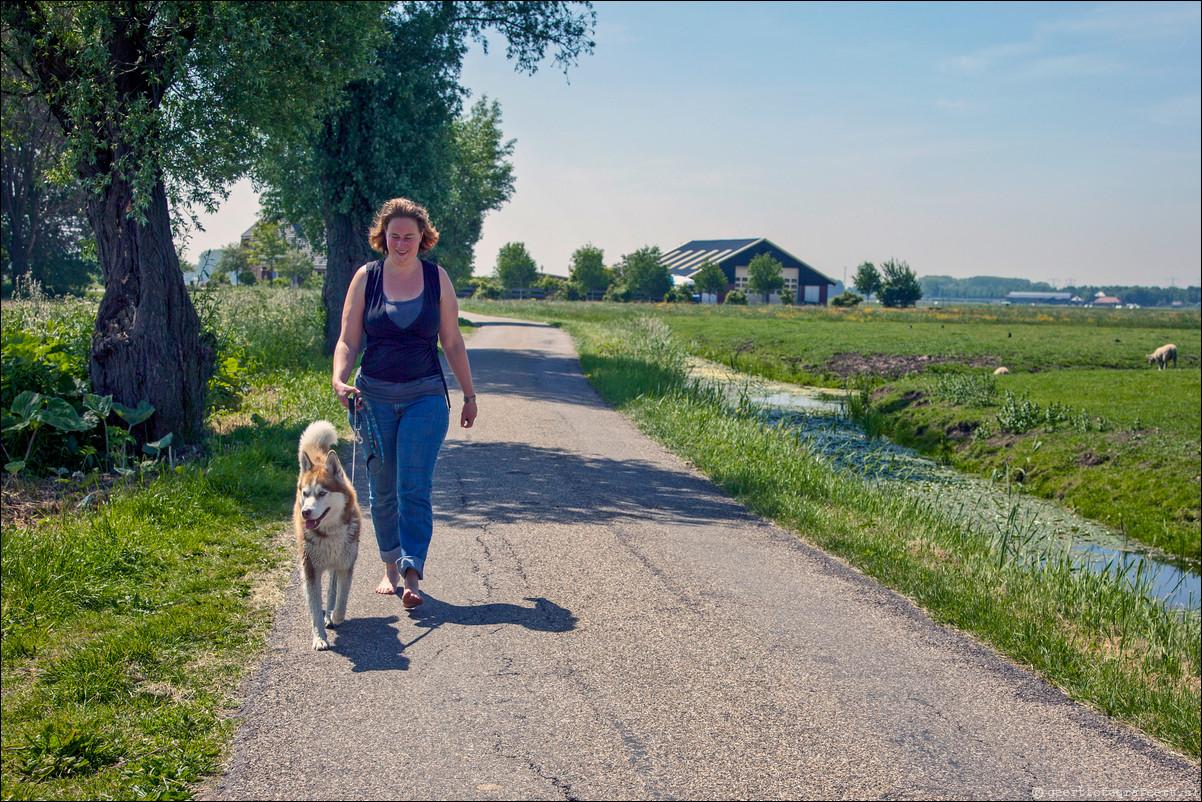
321 491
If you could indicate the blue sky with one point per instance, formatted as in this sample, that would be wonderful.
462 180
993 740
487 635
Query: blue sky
1050 141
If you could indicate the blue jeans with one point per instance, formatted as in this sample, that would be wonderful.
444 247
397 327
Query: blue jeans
411 436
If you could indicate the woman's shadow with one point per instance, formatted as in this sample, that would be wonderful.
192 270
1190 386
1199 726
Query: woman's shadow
374 644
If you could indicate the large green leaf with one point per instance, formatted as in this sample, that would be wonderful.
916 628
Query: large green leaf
61 415
134 416
102 405
27 403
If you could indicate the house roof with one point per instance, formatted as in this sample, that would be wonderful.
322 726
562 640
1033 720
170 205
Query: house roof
1106 299
690 256
685 261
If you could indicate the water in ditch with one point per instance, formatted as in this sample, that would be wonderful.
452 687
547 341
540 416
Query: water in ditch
816 416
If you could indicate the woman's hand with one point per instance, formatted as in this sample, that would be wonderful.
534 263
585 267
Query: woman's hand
345 393
467 415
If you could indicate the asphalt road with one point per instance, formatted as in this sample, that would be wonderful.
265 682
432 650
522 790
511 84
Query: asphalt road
601 622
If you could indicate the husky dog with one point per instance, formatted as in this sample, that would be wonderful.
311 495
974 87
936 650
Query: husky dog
326 519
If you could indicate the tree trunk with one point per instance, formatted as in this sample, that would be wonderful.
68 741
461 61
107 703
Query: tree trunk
147 342
346 250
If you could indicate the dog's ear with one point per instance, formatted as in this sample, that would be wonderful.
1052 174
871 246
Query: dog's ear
305 462
333 465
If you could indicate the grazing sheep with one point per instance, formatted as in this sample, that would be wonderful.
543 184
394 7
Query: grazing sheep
1161 356
1002 371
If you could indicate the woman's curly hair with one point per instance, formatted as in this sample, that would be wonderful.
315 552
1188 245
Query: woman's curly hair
402 207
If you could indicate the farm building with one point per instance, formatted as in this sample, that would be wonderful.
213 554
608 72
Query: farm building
295 239
734 255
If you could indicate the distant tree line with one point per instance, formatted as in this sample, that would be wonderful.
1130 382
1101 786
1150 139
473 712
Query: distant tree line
997 288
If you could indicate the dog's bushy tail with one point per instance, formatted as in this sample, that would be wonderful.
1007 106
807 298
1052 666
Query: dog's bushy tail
319 437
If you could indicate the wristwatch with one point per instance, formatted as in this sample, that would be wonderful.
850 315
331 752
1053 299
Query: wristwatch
469 399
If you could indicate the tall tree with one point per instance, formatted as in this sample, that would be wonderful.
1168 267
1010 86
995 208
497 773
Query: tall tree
588 268
515 266
899 285
867 279
159 101
709 279
267 248
44 231
396 135
642 274
764 275
480 179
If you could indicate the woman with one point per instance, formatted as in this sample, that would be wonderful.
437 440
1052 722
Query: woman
403 305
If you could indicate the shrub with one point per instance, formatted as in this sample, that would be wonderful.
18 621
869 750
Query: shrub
786 297
618 292
848 298
681 293
965 389
488 289
554 285
737 297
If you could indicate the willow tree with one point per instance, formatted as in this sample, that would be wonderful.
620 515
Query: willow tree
400 132
165 103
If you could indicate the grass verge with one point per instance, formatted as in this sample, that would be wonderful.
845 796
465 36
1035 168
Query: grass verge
127 628
1092 636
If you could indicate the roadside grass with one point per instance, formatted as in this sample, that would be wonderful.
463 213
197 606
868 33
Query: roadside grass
128 623
1100 641
1140 475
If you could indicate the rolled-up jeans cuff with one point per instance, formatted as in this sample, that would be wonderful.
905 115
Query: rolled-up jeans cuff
392 555
414 563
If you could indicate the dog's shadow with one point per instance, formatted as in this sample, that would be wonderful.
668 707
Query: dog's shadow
374 644
371 644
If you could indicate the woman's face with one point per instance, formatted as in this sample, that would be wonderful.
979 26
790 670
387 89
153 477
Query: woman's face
403 237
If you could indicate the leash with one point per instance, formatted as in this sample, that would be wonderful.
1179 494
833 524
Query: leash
363 421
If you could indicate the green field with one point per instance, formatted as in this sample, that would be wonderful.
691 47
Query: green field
1133 466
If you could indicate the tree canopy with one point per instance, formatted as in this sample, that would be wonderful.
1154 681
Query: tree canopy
899 285
515 266
400 133
171 101
641 273
764 275
44 234
709 279
588 268
867 279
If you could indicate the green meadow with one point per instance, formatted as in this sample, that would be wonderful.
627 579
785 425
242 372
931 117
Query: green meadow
1121 446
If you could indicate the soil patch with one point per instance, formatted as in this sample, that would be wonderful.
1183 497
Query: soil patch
1090 459
896 365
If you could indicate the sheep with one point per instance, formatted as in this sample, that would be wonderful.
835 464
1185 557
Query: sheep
1002 371
1161 356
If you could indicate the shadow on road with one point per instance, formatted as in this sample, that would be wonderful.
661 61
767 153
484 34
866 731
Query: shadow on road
544 616
372 644
531 374
508 482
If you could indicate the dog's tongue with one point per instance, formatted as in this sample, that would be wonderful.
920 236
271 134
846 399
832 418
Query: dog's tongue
312 523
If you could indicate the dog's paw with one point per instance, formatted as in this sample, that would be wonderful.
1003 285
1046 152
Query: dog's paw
319 644
335 620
